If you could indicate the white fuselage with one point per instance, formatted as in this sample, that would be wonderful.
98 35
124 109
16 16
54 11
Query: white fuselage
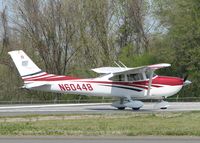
96 87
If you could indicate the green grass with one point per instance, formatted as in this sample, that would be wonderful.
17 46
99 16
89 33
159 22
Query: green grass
132 124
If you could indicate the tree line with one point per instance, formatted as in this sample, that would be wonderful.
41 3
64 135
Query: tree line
73 36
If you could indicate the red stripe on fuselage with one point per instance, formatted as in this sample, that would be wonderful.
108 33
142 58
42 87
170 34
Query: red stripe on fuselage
34 76
156 82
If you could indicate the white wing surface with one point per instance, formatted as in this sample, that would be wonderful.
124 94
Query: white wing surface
119 70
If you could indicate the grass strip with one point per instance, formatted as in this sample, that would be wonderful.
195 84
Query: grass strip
133 124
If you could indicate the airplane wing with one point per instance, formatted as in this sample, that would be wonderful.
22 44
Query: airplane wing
120 70
106 70
144 68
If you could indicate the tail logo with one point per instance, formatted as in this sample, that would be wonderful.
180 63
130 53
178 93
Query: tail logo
25 63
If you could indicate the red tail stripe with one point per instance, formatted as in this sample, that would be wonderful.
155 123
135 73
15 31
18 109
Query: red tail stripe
35 76
54 79
42 77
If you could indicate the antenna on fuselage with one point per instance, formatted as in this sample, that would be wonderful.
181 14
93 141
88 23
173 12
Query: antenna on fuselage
117 64
123 64
120 64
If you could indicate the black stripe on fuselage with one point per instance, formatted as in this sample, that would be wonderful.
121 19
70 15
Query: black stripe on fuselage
32 74
129 88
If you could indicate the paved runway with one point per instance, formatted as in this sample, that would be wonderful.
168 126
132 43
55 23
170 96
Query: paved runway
6 110
99 139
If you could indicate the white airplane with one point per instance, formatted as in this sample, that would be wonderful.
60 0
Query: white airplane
129 84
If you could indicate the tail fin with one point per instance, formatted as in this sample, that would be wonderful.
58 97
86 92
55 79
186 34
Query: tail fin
24 64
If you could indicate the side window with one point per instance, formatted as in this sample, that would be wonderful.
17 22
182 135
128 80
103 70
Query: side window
118 78
135 77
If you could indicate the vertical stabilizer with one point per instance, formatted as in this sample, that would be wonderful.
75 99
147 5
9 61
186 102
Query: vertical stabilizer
24 64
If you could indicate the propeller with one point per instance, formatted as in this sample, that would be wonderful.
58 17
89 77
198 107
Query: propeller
185 77
186 82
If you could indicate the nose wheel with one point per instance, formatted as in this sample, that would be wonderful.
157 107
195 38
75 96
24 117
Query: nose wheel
163 108
162 105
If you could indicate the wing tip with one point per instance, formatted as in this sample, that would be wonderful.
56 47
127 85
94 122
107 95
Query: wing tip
158 66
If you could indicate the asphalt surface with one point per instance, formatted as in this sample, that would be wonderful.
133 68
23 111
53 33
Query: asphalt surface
9 110
99 139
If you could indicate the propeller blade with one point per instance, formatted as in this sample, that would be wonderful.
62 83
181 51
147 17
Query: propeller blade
185 78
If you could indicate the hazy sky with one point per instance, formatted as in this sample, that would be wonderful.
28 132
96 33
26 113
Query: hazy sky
2 4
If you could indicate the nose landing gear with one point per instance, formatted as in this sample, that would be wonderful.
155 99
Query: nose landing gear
162 104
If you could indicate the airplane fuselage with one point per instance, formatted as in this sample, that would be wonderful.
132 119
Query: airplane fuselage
162 86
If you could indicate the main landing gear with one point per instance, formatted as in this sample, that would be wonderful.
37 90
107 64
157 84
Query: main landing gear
121 108
136 105
119 104
136 109
122 104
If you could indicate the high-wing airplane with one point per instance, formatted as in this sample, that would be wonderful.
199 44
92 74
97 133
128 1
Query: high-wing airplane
129 84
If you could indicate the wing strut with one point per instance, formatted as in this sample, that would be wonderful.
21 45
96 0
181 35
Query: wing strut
150 82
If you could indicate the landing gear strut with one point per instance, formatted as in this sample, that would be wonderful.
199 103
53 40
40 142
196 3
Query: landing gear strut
122 104
119 104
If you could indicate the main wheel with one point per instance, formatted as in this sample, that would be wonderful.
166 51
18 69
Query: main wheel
136 108
121 108
163 108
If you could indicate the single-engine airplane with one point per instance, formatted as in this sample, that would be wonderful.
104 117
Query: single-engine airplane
129 84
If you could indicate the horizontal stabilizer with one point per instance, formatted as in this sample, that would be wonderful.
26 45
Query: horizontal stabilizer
35 84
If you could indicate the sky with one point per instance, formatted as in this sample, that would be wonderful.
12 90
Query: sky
2 4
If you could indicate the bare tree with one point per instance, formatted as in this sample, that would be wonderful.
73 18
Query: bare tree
50 27
5 29
95 31
132 30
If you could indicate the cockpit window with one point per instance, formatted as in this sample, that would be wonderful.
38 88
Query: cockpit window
135 77
148 74
120 77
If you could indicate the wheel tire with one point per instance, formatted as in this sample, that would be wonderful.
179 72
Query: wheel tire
136 109
121 108
163 108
